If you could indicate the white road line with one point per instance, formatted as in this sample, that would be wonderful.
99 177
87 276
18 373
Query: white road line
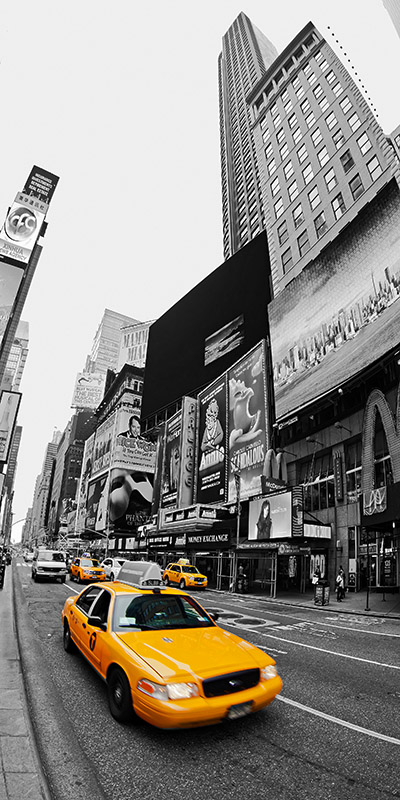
312 647
338 721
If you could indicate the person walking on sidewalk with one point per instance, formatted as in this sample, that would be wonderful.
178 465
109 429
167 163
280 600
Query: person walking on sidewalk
339 586
342 573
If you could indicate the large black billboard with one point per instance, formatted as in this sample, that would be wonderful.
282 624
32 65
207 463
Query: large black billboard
209 329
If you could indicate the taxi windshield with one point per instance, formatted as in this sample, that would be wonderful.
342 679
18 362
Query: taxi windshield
158 612
89 562
190 569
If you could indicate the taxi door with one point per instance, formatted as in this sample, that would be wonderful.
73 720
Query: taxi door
74 567
175 574
95 636
80 612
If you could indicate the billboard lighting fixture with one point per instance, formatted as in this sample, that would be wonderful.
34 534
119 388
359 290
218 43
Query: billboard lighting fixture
281 450
314 441
340 426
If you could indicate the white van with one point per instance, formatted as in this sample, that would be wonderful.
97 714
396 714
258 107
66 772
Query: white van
49 564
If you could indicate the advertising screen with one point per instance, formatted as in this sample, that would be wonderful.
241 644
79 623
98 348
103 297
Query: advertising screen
103 445
211 460
270 517
130 497
83 483
342 312
247 423
96 506
224 340
10 281
21 229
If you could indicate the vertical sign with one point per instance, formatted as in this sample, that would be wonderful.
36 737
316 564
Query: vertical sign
338 475
9 405
186 476
171 460
211 449
297 511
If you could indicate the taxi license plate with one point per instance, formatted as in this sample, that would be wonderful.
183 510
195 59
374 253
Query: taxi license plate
240 710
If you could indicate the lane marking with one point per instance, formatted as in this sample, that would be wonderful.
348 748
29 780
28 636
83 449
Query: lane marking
312 647
337 721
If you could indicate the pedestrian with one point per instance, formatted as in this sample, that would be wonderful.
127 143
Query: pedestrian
339 586
241 580
342 573
316 576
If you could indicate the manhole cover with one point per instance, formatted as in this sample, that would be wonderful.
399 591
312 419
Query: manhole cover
249 621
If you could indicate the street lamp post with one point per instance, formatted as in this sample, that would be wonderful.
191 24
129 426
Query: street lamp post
236 476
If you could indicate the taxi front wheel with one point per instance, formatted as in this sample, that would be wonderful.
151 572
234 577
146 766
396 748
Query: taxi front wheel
119 696
69 646
182 584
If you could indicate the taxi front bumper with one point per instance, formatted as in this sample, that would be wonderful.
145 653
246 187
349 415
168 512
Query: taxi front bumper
198 711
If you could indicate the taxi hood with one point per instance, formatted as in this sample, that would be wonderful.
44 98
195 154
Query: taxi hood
195 651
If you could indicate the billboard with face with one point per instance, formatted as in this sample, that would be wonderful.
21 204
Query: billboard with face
87 463
212 414
96 505
103 445
247 423
342 312
130 497
171 461
270 517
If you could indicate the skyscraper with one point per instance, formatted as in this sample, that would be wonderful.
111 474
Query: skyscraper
393 9
106 343
246 56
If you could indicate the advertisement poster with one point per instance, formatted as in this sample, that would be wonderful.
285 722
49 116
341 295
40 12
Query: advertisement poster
224 340
103 445
186 473
9 404
41 184
131 451
130 497
83 483
21 229
270 517
212 428
10 281
89 390
156 503
171 461
247 423
97 495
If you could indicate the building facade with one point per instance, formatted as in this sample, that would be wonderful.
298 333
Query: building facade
106 343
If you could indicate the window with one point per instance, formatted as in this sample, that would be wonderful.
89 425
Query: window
293 190
374 168
277 120
297 135
314 198
86 600
302 153
338 138
323 65
288 170
345 105
298 216
317 476
274 110
269 151
320 224
337 89
364 143
288 105
323 103
331 120
338 206
347 161
271 167
310 120
303 243
284 151
307 70
305 106
292 121
323 156
318 91
278 208
353 471
356 187
282 233
308 174
330 180
275 186
354 121
298 89
266 135
287 260
330 76
316 137
280 136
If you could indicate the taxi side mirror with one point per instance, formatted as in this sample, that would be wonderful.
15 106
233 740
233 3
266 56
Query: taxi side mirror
97 622
214 615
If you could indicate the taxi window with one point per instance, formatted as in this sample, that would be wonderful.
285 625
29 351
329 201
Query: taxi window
190 569
86 599
90 562
76 562
101 606
158 612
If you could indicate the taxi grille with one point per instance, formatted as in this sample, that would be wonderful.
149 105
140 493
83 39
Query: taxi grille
230 683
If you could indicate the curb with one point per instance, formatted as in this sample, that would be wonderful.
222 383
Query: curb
309 607
67 773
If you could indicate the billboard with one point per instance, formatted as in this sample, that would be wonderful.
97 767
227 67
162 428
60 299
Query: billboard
9 405
270 517
130 497
224 340
131 451
103 445
41 184
21 228
171 461
212 430
86 474
247 423
96 506
342 312
10 281
89 390
186 471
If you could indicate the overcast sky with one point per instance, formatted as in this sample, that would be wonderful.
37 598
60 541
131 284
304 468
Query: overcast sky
121 101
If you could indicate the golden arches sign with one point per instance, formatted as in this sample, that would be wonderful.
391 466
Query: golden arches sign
377 404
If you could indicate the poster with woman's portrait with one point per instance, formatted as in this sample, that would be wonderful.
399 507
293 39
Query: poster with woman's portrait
270 517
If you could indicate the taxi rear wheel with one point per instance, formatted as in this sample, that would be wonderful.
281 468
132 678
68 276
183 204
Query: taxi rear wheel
182 584
69 646
119 696
167 581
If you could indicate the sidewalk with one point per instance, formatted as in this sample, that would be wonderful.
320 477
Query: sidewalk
20 771
354 602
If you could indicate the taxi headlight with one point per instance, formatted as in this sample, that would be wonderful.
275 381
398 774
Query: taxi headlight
172 691
268 672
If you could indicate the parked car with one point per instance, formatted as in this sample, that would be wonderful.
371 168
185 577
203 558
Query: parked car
28 557
49 564
112 567
162 655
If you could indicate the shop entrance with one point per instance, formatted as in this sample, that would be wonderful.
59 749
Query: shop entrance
260 573
292 573
218 567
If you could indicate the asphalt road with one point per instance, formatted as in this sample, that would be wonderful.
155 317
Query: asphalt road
334 732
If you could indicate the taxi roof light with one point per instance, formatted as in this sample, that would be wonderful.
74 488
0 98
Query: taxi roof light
141 575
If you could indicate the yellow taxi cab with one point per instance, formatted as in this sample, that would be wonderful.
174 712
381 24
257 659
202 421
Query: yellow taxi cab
86 568
162 656
185 575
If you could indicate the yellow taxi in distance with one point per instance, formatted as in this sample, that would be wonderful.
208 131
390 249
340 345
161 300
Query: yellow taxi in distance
185 575
162 656
85 568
